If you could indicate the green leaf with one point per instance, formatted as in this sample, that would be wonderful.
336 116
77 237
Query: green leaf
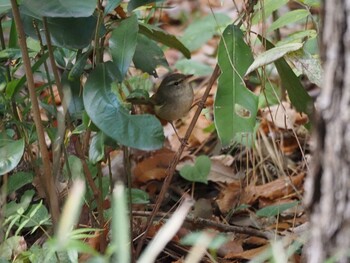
163 37
123 43
133 4
5 6
78 68
74 33
37 215
298 37
11 153
72 95
199 172
75 168
308 65
235 106
139 197
96 150
299 97
272 55
111 5
138 131
17 180
203 29
14 86
270 96
266 8
289 18
148 61
196 68
274 210
61 8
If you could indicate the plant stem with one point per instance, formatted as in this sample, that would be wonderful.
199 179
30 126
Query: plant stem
171 170
47 178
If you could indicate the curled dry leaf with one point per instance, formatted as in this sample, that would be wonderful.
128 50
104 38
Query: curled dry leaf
281 187
283 116
154 167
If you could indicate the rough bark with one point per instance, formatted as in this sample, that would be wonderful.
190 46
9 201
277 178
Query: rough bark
328 185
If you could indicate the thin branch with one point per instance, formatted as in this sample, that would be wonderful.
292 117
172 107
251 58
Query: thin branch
47 177
209 223
171 170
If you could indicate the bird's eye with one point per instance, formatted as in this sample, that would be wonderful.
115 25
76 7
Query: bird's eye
176 83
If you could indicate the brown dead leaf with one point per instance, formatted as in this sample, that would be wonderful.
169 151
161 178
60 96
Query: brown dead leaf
283 116
230 247
154 167
273 190
248 254
229 197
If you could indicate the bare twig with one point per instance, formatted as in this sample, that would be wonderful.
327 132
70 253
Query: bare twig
47 177
209 223
171 170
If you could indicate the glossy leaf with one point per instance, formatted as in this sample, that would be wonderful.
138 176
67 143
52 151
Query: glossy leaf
272 55
297 94
11 153
148 61
96 149
288 18
17 180
72 95
75 33
61 8
123 43
235 106
104 109
163 37
198 172
133 4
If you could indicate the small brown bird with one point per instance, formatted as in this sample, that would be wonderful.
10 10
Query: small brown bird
172 100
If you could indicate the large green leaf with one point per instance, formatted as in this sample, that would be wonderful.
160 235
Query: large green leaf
67 32
75 33
148 61
11 153
123 43
235 106
163 37
104 109
298 96
61 8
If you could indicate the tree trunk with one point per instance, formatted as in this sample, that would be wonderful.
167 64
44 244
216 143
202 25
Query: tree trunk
328 186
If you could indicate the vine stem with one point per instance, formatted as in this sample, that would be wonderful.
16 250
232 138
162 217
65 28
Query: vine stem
47 178
171 170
